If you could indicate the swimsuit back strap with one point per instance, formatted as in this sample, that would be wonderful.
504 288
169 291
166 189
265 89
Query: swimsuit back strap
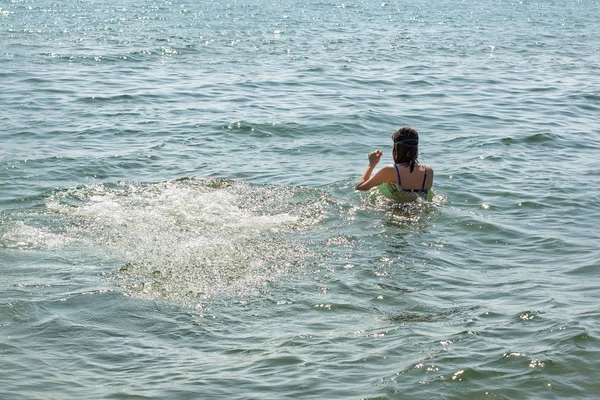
424 179
398 173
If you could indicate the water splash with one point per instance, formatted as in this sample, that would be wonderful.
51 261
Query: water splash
404 209
190 240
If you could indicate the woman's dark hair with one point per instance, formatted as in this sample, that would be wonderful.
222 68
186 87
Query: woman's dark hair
406 146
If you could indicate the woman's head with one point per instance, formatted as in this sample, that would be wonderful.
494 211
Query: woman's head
406 146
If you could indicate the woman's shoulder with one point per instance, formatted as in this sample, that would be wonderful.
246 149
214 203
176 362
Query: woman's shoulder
428 178
390 172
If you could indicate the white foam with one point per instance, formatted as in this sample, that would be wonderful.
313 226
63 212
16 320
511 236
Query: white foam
19 235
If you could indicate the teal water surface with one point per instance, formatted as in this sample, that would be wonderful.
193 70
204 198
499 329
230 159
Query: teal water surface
178 219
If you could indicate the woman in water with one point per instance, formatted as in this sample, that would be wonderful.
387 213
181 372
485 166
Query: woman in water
406 173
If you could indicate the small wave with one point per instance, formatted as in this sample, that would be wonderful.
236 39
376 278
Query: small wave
120 98
536 138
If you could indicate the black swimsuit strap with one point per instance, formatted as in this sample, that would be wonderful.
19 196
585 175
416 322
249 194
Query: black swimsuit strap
398 173
424 179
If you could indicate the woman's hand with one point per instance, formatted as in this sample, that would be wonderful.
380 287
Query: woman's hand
374 157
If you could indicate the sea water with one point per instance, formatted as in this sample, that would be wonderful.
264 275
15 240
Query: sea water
178 218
